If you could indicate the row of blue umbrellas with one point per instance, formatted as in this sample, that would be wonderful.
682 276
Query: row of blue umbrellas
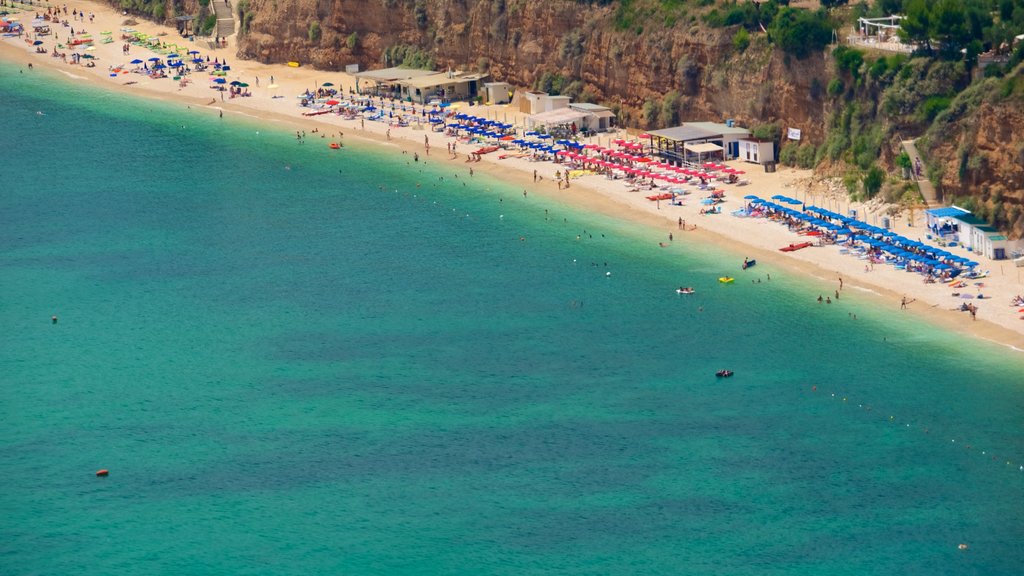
895 245
482 121
786 199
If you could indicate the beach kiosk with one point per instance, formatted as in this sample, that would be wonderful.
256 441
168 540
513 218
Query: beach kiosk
497 92
756 151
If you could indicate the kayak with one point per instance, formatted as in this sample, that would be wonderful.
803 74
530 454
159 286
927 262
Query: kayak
685 290
726 280
795 247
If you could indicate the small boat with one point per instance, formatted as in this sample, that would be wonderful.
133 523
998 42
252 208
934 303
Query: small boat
748 263
726 280
685 290
723 373
795 247
334 145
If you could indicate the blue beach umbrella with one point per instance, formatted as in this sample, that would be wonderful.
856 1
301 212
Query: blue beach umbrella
154 59
172 56
136 61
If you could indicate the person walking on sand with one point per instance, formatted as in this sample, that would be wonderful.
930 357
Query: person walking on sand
903 303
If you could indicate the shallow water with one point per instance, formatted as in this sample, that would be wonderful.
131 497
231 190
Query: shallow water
290 370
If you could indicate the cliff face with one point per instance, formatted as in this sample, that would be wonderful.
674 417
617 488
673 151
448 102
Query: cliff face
977 146
654 76
525 41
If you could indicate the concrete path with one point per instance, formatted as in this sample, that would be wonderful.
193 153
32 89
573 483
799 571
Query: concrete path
225 19
931 198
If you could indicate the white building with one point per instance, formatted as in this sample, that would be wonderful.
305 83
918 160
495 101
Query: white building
756 151
598 118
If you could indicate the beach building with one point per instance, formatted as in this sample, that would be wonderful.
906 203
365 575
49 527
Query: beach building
756 151
565 121
958 226
598 119
443 86
385 81
536 102
695 142
497 92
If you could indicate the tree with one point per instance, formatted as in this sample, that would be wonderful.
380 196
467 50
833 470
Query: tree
949 26
917 25
889 7
800 32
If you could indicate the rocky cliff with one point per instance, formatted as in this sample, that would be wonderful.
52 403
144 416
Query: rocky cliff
579 47
655 68
977 151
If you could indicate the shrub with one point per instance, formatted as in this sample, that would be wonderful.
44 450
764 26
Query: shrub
835 87
806 156
931 107
788 153
208 24
650 112
849 59
741 40
873 181
353 41
314 32
765 132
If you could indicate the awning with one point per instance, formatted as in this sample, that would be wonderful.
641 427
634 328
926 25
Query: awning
703 148
558 117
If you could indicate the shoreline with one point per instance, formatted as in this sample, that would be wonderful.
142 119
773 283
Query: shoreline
755 238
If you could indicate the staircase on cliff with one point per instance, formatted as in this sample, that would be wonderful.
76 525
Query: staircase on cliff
225 19
923 184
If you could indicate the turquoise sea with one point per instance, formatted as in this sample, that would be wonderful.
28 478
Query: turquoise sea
302 361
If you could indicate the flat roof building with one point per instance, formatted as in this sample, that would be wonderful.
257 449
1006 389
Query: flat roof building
680 144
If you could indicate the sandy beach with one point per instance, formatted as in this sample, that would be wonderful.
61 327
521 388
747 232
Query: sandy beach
754 238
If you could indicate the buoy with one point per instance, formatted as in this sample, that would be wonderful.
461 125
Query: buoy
103 472
54 318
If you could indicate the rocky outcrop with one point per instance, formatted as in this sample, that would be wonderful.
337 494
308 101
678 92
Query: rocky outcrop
575 45
976 148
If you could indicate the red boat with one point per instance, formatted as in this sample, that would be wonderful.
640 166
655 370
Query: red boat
795 247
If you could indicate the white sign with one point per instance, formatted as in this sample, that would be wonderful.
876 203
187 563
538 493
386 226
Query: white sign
793 134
